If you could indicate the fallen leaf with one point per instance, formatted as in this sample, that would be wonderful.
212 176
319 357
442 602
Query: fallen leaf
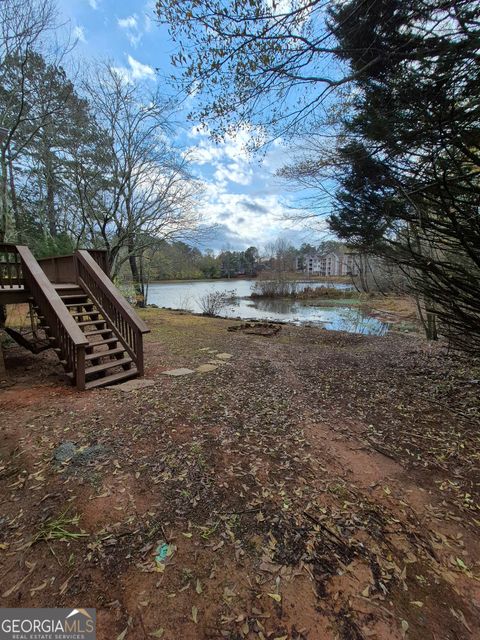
460 616
16 586
39 588
122 635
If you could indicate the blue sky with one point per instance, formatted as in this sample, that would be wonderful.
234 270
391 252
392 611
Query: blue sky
242 197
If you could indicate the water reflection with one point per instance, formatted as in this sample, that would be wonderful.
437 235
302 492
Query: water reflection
282 305
186 295
353 320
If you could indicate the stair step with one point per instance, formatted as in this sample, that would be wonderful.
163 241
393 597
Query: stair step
108 365
90 345
97 332
102 354
66 285
80 314
97 354
89 322
74 305
74 296
116 377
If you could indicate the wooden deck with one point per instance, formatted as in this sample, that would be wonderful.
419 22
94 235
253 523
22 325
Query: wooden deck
94 331
18 293
13 295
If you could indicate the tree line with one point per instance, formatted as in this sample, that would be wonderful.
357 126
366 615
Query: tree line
177 260
379 101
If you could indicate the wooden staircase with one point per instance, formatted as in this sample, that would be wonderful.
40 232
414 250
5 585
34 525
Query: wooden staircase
106 359
92 328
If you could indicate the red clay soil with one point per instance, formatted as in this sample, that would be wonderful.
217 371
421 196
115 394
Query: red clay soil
317 485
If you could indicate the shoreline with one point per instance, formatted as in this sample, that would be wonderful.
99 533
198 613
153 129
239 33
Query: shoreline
396 312
289 276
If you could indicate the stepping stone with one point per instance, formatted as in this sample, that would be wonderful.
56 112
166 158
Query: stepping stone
132 385
224 356
177 372
204 368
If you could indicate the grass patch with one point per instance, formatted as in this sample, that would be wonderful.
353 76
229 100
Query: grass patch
59 528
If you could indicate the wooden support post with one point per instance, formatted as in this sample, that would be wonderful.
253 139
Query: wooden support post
3 371
3 318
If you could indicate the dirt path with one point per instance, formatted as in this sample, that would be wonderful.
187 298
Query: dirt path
315 485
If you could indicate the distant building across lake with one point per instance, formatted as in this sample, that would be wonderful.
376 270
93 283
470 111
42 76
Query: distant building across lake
333 263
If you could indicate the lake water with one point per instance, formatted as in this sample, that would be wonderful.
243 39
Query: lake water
186 295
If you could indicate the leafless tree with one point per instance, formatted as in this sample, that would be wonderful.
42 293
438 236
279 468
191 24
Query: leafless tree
281 255
136 188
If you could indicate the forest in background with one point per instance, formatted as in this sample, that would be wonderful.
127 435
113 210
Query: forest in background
177 260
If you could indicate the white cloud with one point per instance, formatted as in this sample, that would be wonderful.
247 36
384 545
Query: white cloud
79 33
254 219
135 71
149 11
233 172
278 7
241 192
93 4
127 23
229 158
132 27
251 217
139 70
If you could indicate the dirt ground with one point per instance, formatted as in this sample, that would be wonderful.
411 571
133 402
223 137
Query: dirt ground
315 485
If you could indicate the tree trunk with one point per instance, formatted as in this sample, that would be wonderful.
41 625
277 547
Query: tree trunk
51 188
3 197
13 192
3 317
137 281
432 333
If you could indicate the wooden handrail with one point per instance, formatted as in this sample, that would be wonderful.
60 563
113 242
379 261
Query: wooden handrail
68 255
115 309
69 337
100 257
